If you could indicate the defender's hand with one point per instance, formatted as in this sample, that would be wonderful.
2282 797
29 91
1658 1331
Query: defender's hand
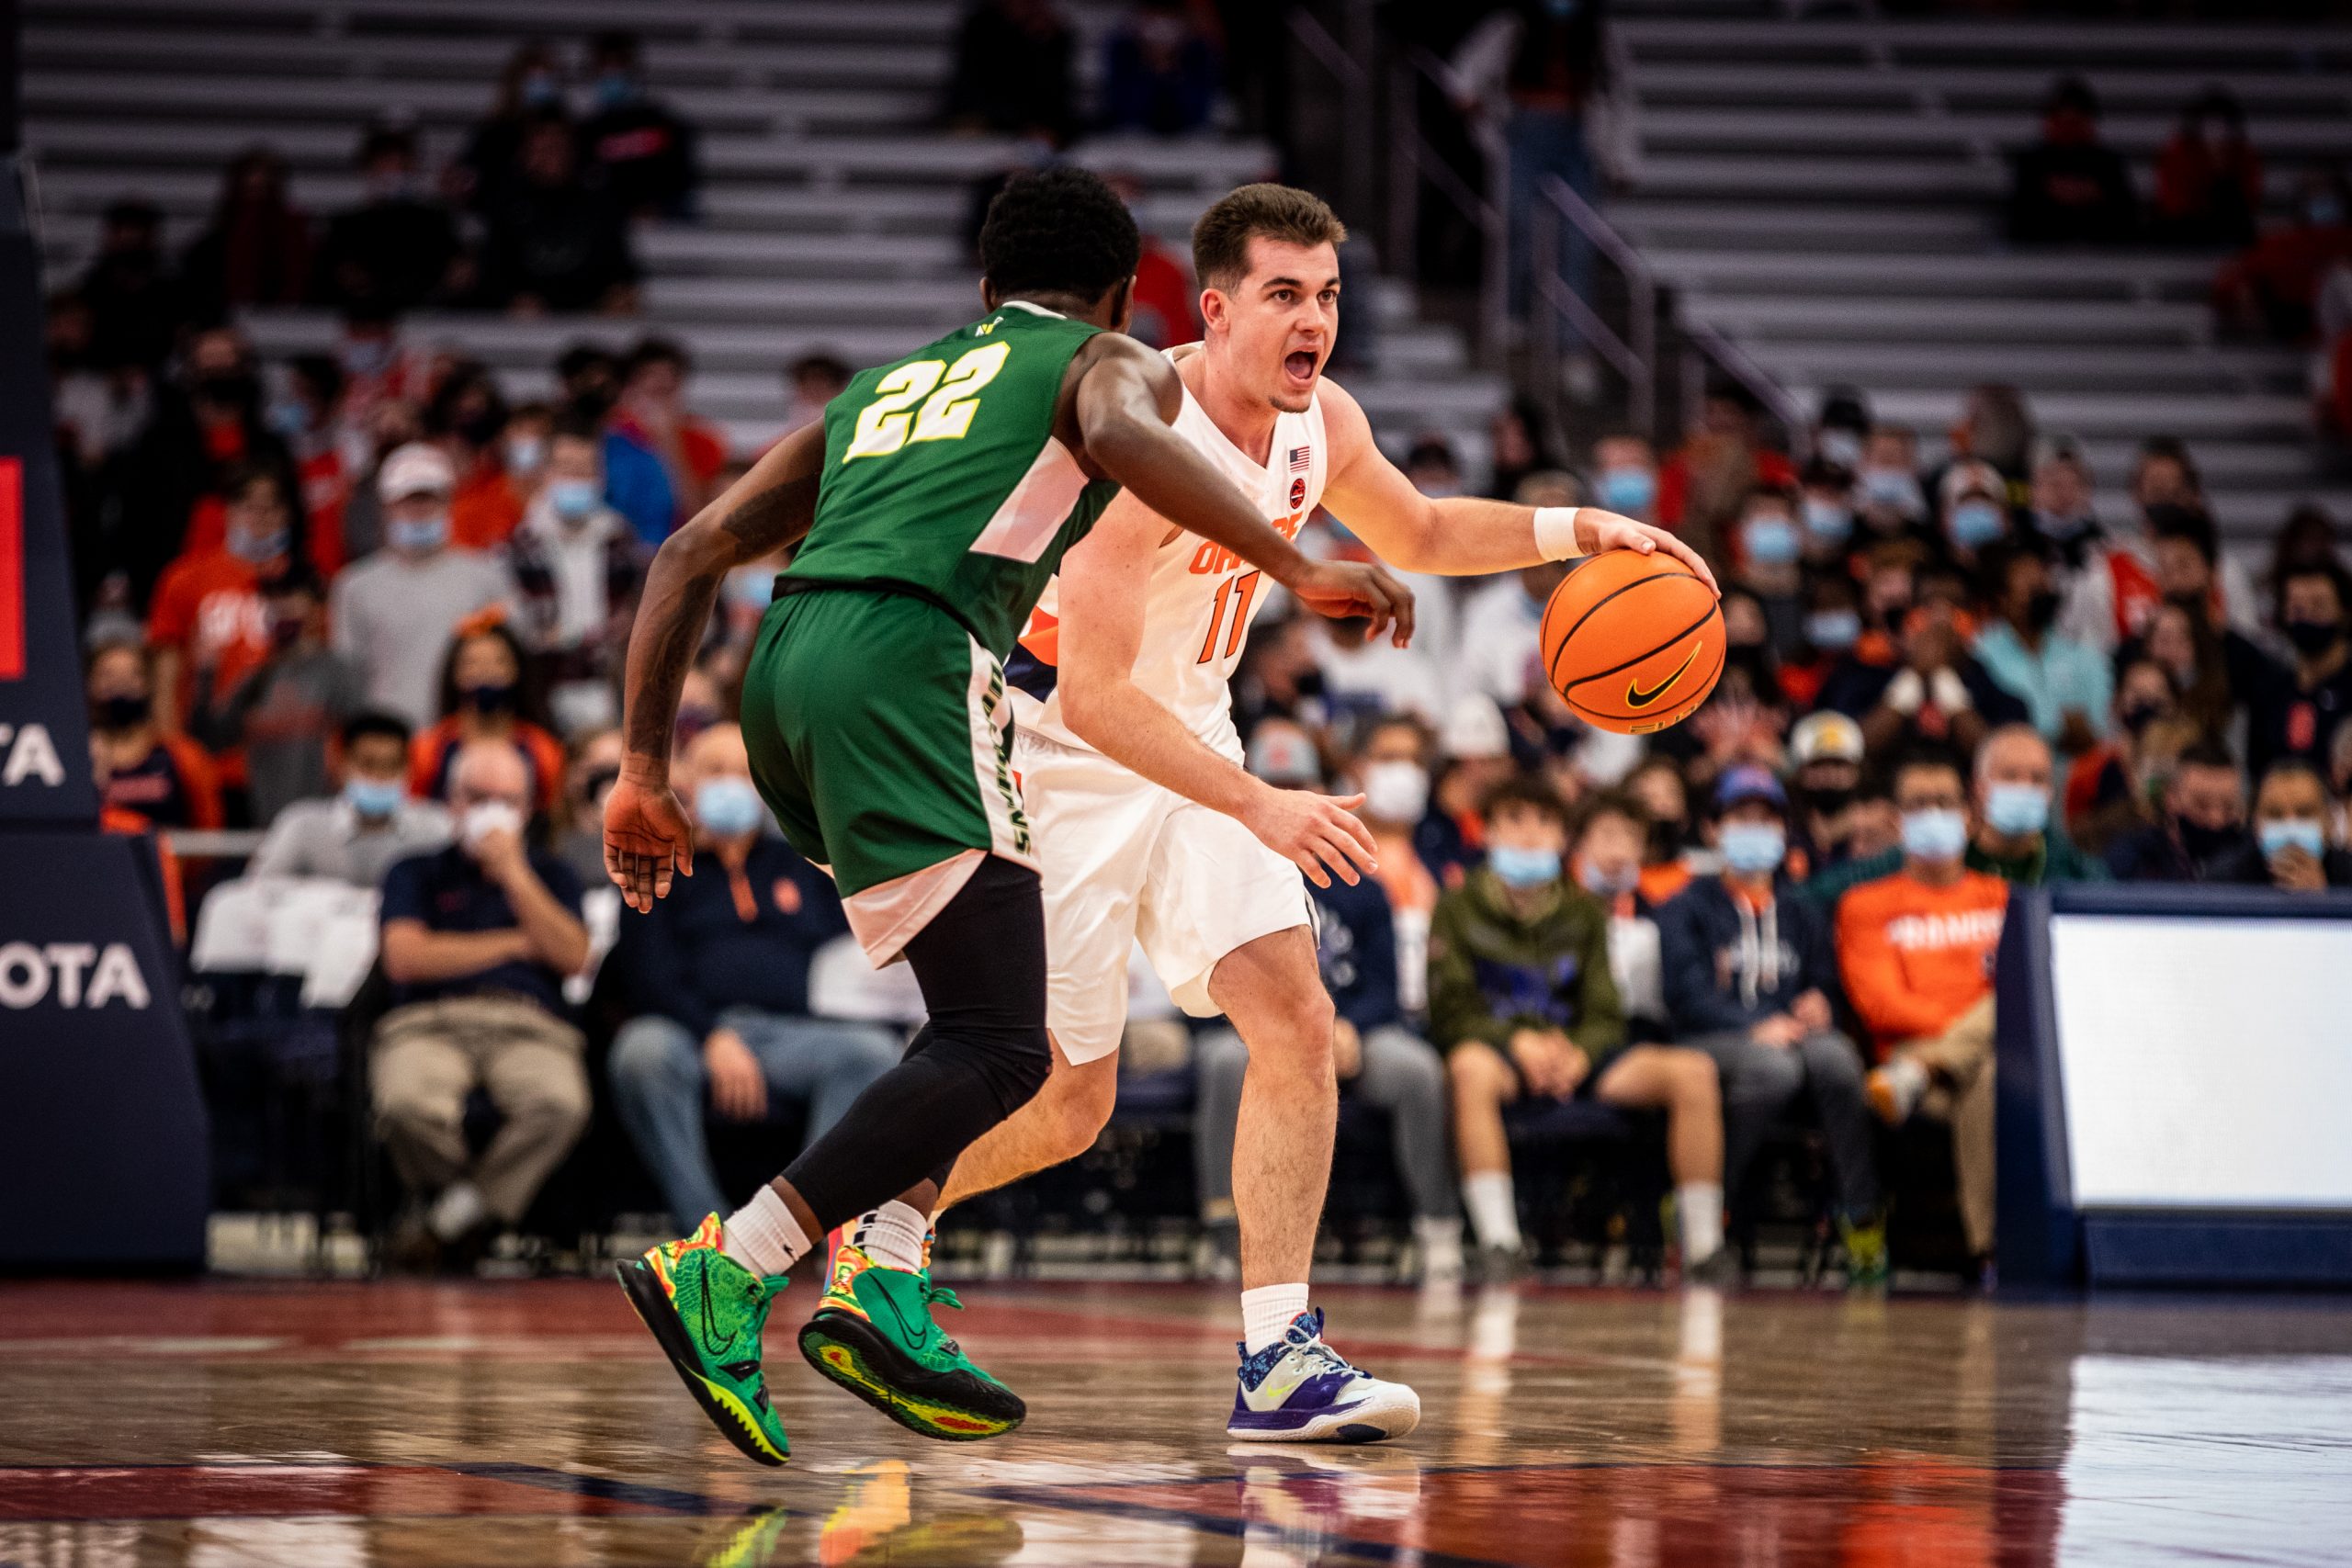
1341 588
1597 531
1312 832
647 837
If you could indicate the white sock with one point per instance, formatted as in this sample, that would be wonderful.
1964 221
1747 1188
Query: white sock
763 1236
1699 1210
456 1211
1440 1241
1266 1313
892 1235
1494 1212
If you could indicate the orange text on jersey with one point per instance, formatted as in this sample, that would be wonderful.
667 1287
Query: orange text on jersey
1212 560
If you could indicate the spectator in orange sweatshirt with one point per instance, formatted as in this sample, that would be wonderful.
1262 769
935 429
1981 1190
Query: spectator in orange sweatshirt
1916 949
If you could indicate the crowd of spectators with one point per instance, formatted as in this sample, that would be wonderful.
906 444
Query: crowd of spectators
368 605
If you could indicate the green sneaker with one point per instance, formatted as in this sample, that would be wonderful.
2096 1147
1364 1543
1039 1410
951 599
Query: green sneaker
1865 1266
873 1333
706 1311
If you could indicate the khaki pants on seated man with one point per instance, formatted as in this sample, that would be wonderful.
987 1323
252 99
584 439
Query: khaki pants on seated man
428 1056
1958 1091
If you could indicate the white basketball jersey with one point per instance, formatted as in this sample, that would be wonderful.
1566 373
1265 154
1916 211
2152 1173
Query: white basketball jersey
1202 597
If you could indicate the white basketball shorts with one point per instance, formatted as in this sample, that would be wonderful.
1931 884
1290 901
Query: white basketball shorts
1126 862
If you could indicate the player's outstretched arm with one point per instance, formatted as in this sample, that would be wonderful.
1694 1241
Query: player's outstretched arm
646 833
1127 401
1463 536
1104 584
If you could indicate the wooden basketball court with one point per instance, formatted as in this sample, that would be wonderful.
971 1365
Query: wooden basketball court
350 1426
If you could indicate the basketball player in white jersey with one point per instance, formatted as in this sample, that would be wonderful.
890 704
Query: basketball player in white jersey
1145 821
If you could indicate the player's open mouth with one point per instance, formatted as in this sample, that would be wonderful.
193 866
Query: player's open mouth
1300 363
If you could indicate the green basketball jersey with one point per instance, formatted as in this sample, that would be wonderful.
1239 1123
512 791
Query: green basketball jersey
942 474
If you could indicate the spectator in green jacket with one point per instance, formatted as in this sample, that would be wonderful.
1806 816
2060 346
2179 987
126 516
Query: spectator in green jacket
2015 839
1521 999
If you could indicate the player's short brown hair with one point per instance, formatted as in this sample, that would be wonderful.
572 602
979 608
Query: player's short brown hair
1221 239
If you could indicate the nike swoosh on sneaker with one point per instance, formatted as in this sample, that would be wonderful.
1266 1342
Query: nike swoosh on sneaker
710 1327
914 1341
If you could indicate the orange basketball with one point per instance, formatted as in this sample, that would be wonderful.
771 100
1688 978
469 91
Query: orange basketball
1632 642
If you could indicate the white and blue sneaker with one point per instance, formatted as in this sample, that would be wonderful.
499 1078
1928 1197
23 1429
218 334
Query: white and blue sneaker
1299 1389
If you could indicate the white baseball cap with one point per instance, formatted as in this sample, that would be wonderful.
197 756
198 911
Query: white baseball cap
1475 727
1826 737
418 468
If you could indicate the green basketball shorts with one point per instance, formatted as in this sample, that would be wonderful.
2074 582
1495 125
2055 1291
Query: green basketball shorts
880 736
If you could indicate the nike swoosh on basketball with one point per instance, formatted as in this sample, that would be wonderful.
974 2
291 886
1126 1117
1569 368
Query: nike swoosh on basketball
1637 698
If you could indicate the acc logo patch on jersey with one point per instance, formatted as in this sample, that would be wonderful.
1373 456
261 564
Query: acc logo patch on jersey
1298 494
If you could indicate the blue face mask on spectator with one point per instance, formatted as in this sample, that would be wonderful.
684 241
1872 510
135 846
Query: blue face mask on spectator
257 549
1600 883
1893 490
1771 540
1629 491
2017 809
376 798
1976 524
573 498
1752 849
1827 520
1524 867
726 807
2294 833
1934 834
419 534
1833 631
615 89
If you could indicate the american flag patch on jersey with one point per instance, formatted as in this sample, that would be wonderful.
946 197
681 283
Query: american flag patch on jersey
1298 456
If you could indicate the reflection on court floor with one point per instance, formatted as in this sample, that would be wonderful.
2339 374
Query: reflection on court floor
346 1426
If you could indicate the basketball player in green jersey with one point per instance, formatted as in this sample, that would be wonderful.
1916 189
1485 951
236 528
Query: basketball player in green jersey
931 508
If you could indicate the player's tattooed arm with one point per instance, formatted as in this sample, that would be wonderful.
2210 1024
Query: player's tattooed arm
1125 399
646 833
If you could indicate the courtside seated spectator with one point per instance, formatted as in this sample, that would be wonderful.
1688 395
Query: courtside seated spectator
530 83
282 717
478 938
2011 834
2273 286
1702 486
810 382
1159 71
2107 788
207 428
1750 979
466 418
486 696
1013 71
718 975
2070 188
653 414
394 612
1916 952
576 561
2066 686
2295 709
2203 825
368 822
2294 817
555 244
207 619
641 149
1625 474
2209 178
256 250
136 306
1378 1060
1473 747
1938 695
1522 1001
399 248
1391 771
164 779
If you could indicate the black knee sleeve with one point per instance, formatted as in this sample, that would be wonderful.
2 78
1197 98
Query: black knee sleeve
981 962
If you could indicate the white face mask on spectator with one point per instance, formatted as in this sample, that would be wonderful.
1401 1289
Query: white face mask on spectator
485 818
1396 790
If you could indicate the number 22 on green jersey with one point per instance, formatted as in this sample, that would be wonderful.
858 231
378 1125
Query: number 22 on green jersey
950 396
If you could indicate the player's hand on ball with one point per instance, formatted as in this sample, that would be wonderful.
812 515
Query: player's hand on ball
1313 831
1597 531
647 838
1341 588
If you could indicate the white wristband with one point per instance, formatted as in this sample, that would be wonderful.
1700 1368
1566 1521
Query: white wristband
1555 533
